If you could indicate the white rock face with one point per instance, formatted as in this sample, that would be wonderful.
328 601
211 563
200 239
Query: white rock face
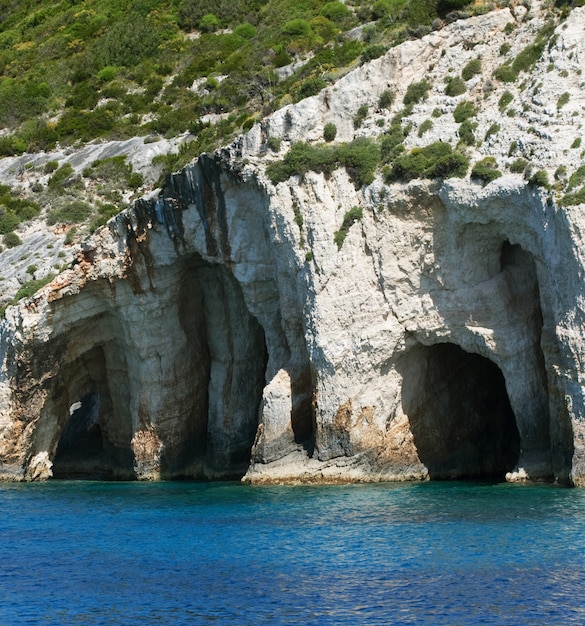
218 330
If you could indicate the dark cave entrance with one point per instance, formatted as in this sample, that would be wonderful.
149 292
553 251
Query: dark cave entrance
92 444
224 361
460 414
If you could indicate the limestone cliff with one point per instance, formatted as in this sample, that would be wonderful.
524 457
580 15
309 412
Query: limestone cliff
217 329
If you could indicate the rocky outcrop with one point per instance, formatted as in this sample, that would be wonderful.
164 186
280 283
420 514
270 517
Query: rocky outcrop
216 329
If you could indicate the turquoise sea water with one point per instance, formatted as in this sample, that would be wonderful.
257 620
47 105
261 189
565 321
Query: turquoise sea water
217 553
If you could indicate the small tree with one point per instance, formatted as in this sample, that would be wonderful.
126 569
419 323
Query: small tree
329 132
417 92
209 23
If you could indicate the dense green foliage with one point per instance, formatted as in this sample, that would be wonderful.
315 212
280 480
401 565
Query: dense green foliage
571 199
539 179
417 92
472 68
329 131
360 157
74 212
437 160
14 210
505 100
518 166
486 170
75 71
455 86
464 110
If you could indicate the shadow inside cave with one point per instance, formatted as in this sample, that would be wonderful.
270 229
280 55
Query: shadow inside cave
459 412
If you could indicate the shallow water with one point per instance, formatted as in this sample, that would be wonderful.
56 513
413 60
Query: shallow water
217 553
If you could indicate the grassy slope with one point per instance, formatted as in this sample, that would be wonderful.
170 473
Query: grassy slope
120 68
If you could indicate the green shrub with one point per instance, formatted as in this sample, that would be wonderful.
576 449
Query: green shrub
129 41
336 12
353 215
437 160
8 221
576 143
437 112
360 157
301 158
526 59
505 100
372 52
577 178
563 99
11 240
492 130
21 99
105 212
455 86
245 30
572 199
561 173
297 27
274 143
70 236
471 69
486 170
540 179
248 123
114 171
467 132
72 213
61 176
386 8
28 289
310 87
329 132
425 127
463 111
518 166
417 92
505 48
391 144
360 116
505 73
108 73
386 99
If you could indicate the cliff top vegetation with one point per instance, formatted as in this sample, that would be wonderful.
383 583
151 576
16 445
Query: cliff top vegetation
74 72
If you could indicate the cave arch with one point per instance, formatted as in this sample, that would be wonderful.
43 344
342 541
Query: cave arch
460 415
94 437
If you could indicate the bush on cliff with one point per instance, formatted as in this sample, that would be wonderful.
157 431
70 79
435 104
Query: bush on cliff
437 160
351 216
360 157
486 170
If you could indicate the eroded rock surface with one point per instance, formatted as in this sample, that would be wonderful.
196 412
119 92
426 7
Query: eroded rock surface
217 330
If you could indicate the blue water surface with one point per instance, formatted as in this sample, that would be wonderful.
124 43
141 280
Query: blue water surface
217 553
